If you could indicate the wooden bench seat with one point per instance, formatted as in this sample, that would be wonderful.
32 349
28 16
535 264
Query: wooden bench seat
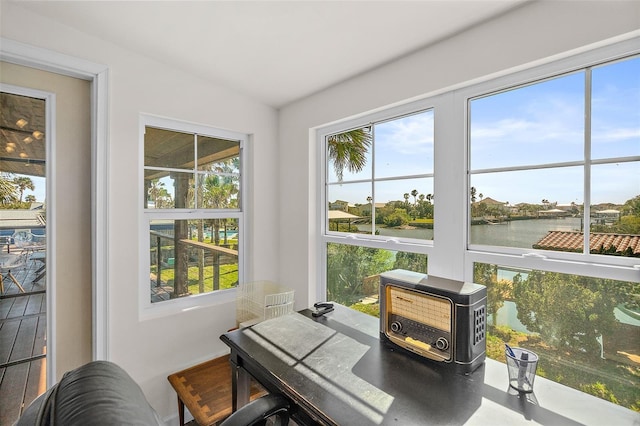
206 391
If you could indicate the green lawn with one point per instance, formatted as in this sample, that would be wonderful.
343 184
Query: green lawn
228 277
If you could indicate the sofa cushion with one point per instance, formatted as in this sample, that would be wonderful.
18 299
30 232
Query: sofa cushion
98 393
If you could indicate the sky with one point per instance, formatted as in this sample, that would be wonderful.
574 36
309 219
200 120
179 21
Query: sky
40 191
541 125
538 124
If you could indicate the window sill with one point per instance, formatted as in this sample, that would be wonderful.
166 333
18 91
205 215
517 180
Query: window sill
171 307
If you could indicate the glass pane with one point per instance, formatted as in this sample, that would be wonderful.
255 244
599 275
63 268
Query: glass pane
167 190
404 208
353 273
598 328
349 155
404 146
349 207
169 149
519 208
23 193
218 191
615 106
218 155
192 257
615 209
538 124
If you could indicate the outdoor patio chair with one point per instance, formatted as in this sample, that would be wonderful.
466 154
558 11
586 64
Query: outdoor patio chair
26 240
8 263
22 238
33 244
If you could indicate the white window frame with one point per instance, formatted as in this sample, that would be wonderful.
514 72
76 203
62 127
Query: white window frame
587 264
371 241
148 310
448 253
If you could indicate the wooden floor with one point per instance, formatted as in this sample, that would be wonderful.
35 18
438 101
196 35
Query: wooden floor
23 325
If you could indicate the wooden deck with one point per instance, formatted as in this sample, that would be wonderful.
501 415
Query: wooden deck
23 324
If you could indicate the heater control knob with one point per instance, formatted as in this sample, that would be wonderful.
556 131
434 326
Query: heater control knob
442 344
396 326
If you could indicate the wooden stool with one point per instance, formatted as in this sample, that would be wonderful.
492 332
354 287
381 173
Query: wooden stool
206 391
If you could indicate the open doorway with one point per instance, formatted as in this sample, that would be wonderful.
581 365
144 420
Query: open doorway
23 248
45 220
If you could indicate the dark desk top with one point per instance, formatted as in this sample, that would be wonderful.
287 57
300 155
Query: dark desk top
337 368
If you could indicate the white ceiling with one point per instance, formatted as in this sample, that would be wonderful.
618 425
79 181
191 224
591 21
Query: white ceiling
273 51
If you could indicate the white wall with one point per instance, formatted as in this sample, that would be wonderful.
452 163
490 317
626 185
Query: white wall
151 350
528 34
283 187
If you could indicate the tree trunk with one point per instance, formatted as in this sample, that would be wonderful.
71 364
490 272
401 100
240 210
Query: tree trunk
181 230
201 257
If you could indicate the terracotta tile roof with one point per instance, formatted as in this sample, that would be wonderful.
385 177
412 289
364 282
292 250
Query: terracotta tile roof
616 244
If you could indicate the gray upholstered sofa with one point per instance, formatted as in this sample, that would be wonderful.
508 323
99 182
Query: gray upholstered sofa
101 393
98 393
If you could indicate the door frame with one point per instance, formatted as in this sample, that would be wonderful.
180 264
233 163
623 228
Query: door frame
35 57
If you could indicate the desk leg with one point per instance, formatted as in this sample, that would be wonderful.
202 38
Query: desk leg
181 411
240 384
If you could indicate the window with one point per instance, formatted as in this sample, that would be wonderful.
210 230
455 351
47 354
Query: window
192 209
555 164
537 180
380 178
379 198
353 273
554 223
584 329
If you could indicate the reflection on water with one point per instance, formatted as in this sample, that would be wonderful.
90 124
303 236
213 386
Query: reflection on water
521 233
518 233
421 233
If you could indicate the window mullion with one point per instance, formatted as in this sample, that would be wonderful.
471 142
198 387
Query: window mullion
587 163
373 178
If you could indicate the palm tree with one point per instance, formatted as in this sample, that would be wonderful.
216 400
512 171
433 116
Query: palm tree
219 192
545 202
23 183
348 150
7 190
157 192
414 194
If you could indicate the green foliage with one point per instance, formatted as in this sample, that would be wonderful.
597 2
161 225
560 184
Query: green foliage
348 266
569 311
372 309
415 262
348 150
17 205
628 225
8 190
344 227
23 183
495 347
632 206
600 390
398 218
504 333
497 290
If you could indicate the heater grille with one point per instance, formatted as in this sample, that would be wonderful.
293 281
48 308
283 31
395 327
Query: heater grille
479 316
